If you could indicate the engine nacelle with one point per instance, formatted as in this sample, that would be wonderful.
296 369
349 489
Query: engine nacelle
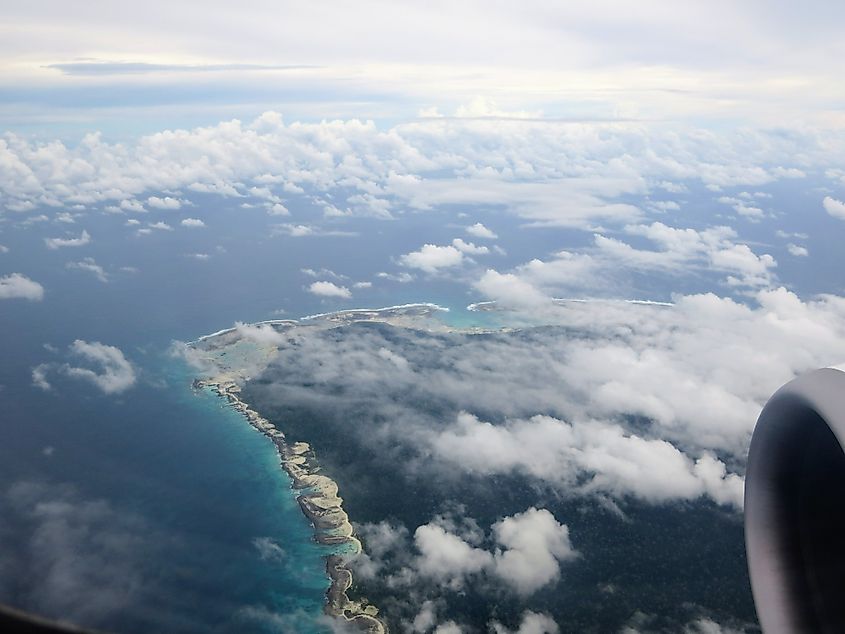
795 507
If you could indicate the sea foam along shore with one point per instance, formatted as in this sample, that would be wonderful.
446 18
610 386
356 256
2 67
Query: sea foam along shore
319 502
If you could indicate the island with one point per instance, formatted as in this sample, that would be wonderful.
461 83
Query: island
231 357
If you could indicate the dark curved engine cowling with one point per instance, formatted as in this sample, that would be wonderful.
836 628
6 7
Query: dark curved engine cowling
15 622
795 507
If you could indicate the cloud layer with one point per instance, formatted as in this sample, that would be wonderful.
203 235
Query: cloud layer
591 457
543 172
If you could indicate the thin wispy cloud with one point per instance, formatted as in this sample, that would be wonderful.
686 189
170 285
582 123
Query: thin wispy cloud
97 67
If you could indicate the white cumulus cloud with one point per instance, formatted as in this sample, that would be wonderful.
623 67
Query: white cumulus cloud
18 286
89 265
260 333
532 546
329 289
531 623
529 550
469 247
834 207
113 373
510 290
57 243
478 230
447 557
164 203
431 258
586 457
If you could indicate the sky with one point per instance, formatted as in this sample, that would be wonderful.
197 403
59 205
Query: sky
156 64
676 171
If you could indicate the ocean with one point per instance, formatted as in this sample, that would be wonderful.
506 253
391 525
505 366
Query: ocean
157 508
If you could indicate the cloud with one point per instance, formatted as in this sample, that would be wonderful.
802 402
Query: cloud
706 625
164 203
431 258
531 623
586 458
277 209
651 42
478 230
105 67
780 233
268 549
834 207
426 618
383 540
89 265
161 226
260 333
714 247
695 373
533 545
752 269
133 205
192 222
403 278
446 557
329 289
304 231
797 250
510 290
56 243
525 554
743 208
82 560
18 286
612 265
39 377
324 272
543 172
297 231
483 108
665 205
469 247
114 373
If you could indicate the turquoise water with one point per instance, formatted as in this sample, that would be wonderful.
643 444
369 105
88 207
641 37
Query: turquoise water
235 470
218 542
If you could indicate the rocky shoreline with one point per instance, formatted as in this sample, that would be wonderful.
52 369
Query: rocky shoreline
320 503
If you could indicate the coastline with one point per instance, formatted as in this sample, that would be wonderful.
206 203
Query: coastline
227 359
320 503
493 306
